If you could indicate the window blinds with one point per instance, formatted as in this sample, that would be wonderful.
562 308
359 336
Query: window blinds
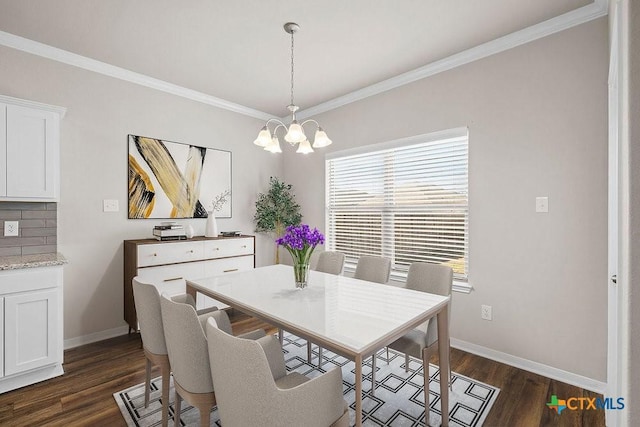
408 202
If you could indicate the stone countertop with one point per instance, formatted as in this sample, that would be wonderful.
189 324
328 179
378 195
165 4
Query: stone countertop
31 261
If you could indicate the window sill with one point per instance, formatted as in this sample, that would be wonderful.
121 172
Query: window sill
462 287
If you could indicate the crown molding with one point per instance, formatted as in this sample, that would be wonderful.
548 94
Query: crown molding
73 59
565 21
568 20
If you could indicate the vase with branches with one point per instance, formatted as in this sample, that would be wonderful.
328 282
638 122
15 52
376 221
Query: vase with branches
276 209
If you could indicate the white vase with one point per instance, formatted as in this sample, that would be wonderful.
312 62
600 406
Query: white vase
211 229
189 231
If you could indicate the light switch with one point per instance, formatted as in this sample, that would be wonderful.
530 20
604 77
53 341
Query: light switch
109 205
542 204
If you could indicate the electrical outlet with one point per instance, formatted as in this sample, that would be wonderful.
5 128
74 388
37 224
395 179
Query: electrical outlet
11 228
485 312
542 204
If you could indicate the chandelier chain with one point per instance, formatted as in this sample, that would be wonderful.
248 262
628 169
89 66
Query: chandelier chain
292 68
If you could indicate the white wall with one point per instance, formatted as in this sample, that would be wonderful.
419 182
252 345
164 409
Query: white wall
100 113
537 118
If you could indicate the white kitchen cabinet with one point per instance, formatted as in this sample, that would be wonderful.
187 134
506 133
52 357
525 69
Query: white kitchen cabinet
30 337
31 321
29 150
169 264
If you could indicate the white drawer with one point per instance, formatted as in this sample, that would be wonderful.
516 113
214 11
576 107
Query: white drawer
172 278
221 248
227 265
222 266
169 253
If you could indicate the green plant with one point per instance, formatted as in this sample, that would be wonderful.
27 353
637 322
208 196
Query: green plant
276 209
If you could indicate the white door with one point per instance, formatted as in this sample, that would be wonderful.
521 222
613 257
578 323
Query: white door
31 338
613 290
32 149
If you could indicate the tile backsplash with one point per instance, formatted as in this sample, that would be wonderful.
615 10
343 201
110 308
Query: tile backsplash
37 228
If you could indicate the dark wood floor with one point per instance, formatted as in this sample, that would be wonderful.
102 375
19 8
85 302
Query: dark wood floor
83 395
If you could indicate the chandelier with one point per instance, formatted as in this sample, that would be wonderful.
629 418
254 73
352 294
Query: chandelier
268 139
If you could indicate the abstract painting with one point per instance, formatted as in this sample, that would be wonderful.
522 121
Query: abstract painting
173 180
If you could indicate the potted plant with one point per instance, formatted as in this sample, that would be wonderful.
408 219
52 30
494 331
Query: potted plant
276 209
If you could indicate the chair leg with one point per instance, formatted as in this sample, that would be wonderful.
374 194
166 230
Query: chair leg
281 337
373 375
147 383
319 357
406 362
205 416
425 374
309 352
176 415
387 355
166 377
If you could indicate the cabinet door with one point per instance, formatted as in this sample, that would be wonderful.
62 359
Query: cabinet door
32 153
222 266
31 338
1 340
3 149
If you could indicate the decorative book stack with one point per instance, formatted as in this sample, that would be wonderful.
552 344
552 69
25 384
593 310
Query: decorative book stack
169 231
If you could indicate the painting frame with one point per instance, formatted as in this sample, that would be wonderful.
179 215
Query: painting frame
174 180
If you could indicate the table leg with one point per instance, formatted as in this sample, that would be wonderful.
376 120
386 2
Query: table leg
192 291
358 396
443 347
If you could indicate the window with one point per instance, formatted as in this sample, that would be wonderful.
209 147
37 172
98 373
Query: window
406 200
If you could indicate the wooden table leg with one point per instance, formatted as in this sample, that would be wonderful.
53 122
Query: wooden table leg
358 390
192 291
443 346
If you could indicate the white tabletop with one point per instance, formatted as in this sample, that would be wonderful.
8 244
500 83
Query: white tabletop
352 316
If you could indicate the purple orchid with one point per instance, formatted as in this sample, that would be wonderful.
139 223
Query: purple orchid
300 241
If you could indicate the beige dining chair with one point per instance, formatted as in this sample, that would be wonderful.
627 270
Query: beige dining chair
147 302
422 342
189 355
254 389
373 269
331 262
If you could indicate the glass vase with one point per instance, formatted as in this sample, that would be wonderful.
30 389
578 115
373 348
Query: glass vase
301 275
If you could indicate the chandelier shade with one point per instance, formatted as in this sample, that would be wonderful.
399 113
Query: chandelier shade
294 132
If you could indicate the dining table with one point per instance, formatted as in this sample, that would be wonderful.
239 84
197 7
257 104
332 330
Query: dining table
351 317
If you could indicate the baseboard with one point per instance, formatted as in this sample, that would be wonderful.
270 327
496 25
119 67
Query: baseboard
97 336
531 366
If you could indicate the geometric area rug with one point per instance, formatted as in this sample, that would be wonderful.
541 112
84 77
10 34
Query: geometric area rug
398 400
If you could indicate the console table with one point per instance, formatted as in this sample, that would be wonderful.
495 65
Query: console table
168 264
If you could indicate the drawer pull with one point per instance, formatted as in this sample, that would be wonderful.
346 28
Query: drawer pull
191 251
171 280
217 249
229 271
244 246
154 254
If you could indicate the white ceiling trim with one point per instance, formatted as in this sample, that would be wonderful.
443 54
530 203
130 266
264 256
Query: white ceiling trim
565 21
70 58
568 20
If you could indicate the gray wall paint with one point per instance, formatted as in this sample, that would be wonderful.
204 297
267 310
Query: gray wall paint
633 263
537 118
100 113
37 228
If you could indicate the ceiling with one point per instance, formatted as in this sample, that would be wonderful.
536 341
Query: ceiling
238 50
